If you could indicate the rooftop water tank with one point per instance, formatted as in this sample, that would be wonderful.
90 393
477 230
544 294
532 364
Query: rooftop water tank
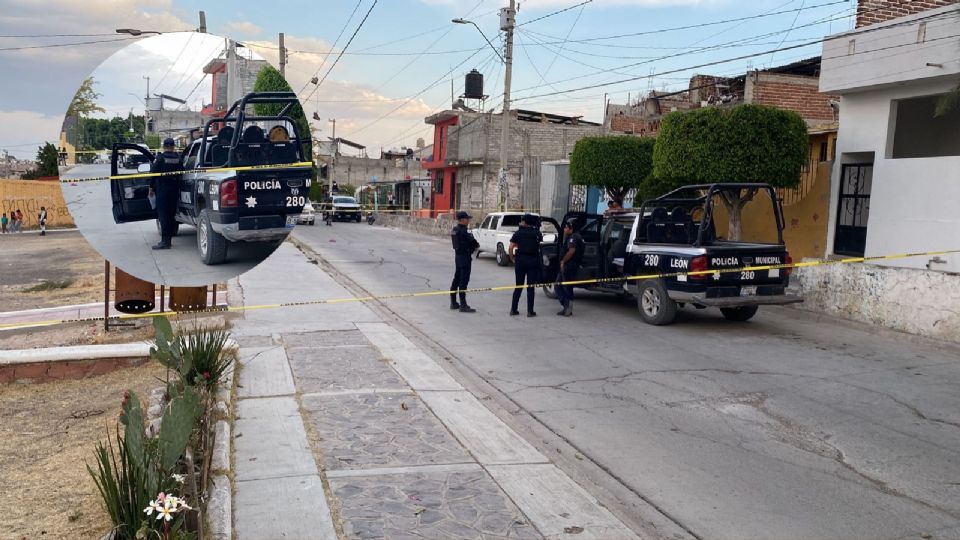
473 86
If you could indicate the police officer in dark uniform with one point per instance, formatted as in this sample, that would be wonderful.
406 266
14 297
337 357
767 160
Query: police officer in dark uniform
525 253
569 264
464 244
167 190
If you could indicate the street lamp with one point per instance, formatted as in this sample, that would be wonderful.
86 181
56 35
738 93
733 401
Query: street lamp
136 31
459 20
507 24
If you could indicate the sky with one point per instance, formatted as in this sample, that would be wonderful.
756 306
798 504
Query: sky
398 67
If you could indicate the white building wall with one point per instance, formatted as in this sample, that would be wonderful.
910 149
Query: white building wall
913 204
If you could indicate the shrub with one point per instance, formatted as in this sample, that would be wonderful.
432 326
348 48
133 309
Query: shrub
617 163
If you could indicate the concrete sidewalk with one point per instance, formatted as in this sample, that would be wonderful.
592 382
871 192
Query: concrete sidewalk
345 427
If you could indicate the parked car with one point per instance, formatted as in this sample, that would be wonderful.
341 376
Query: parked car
677 233
133 160
308 215
227 206
495 231
342 208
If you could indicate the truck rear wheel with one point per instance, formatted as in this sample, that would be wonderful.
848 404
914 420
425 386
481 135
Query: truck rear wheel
654 303
739 314
502 258
212 245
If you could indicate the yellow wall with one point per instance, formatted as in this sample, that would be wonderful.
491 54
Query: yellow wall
29 196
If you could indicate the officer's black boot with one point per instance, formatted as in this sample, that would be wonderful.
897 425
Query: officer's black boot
163 244
453 302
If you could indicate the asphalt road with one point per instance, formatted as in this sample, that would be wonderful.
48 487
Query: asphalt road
787 426
128 245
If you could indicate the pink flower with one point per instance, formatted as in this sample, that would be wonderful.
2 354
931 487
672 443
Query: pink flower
206 374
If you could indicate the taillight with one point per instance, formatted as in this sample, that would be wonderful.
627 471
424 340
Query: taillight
789 269
698 264
228 193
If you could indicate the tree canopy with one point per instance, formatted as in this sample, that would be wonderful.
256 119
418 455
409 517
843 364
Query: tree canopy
47 159
84 101
748 143
617 163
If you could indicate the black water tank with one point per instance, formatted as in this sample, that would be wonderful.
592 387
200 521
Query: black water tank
473 87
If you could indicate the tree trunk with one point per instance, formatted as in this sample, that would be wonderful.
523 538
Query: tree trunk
734 202
617 193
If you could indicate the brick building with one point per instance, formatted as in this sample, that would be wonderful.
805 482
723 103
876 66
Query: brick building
878 11
466 156
793 86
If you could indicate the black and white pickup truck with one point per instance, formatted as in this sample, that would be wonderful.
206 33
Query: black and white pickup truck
227 205
675 234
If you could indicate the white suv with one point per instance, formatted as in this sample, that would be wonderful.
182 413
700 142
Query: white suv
495 231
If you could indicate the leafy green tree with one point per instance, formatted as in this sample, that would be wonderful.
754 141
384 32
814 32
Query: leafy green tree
748 143
270 80
84 102
47 160
617 163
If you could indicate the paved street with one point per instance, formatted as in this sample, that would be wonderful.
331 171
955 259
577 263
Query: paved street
127 245
789 426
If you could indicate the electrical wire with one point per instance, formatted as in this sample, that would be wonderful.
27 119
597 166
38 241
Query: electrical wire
788 31
724 61
709 48
345 47
53 45
177 59
332 47
559 11
560 49
414 96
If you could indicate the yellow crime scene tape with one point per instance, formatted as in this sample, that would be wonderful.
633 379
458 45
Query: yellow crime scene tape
153 175
444 292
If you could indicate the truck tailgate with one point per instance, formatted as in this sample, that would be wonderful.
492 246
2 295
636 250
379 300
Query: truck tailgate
272 193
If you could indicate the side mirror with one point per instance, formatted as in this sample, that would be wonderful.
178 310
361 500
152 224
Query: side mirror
143 168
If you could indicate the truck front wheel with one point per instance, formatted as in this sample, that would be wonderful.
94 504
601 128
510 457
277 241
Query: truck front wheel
654 303
212 245
739 314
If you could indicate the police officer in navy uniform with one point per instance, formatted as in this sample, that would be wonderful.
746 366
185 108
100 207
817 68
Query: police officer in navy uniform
464 244
167 190
569 264
525 253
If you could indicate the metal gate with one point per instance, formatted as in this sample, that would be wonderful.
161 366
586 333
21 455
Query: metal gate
853 209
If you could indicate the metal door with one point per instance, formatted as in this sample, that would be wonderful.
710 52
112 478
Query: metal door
853 209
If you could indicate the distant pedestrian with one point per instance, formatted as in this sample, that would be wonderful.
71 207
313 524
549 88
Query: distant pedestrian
3 223
18 219
464 244
614 206
525 252
42 220
569 264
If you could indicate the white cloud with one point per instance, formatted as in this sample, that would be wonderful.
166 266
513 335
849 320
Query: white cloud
31 130
538 5
241 28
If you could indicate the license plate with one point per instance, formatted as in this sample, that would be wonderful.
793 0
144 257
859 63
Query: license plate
748 290
291 221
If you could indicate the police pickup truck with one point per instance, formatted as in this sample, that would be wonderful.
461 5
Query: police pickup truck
225 205
683 231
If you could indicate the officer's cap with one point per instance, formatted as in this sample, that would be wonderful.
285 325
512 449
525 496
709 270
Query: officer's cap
168 142
463 215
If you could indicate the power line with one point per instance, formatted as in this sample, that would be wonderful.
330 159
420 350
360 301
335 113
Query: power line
788 31
177 59
700 25
332 47
699 50
414 96
54 35
66 44
345 47
557 53
743 57
559 11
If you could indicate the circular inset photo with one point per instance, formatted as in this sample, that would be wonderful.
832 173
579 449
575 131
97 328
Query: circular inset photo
187 159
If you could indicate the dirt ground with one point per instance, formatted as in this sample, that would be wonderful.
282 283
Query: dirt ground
47 436
29 259
75 334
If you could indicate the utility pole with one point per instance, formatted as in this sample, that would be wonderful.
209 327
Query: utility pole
283 58
147 77
507 23
203 23
333 160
